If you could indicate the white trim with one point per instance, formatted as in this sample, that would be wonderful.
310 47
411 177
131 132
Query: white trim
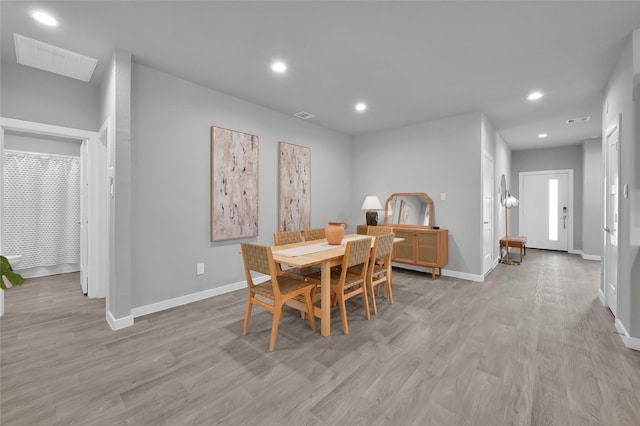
43 271
117 324
445 272
586 256
44 129
629 342
601 297
190 298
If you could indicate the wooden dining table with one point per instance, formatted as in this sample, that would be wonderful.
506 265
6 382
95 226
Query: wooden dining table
313 253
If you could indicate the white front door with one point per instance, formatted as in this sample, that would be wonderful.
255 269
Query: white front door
611 217
488 242
546 209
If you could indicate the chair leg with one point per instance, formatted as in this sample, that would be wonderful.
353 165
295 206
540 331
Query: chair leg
373 299
247 317
312 318
343 313
277 312
365 301
387 285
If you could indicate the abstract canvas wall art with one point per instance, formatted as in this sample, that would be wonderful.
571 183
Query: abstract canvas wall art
294 207
234 184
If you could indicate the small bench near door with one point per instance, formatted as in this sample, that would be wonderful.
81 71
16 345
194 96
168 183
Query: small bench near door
518 242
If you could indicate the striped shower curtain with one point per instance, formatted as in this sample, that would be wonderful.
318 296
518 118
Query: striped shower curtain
41 208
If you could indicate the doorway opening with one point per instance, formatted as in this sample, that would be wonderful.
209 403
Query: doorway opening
91 219
546 209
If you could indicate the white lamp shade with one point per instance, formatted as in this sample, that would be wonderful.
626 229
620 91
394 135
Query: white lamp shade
371 202
511 201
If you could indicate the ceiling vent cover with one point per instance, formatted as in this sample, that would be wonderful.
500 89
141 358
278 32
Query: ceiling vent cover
54 59
578 120
303 115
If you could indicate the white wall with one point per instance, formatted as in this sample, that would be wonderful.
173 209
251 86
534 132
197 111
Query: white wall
171 121
502 163
619 100
592 198
441 156
34 95
41 144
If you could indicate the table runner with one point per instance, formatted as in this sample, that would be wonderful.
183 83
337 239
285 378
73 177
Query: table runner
315 248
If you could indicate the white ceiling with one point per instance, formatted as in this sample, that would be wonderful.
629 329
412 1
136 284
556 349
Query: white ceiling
409 61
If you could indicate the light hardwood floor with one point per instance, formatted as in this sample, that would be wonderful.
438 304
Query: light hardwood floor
532 345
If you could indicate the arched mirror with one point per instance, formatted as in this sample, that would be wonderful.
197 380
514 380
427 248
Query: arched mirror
409 208
502 191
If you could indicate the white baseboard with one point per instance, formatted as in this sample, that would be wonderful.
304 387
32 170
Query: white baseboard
43 271
601 297
445 272
117 324
629 342
585 256
190 298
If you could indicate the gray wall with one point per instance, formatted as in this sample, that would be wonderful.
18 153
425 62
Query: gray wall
568 157
41 144
171 121
619 100
34 95
436 157
592 197
502 167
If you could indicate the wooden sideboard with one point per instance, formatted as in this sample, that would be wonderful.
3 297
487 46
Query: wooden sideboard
421 246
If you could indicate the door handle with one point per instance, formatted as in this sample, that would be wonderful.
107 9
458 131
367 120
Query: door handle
606 229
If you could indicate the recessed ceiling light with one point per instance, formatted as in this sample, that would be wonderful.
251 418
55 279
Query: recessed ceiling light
534 96
279 66
542 135
44 18
361 106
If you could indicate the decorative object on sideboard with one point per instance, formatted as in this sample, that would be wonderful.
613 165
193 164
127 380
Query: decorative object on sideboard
371 205
334 232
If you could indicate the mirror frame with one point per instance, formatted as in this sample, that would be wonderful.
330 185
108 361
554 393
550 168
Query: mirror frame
404 194
502 190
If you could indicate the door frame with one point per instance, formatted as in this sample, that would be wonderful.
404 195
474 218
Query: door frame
608 264
487 189
99 285
570 203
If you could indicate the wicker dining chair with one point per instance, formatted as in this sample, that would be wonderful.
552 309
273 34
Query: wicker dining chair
379 269
350 280
287 237
314 234
273 293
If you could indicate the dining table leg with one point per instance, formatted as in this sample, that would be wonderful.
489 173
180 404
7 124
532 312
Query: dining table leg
325 299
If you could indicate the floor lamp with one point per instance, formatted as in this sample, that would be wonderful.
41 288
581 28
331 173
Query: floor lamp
508 202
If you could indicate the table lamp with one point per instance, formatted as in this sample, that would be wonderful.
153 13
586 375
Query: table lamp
371 205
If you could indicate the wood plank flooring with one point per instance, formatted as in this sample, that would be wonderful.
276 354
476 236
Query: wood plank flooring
532 345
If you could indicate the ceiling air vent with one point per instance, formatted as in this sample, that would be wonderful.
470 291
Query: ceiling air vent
303 115
54 59
578 120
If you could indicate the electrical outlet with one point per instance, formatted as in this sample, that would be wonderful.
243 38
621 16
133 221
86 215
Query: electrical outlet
443 196
200 269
